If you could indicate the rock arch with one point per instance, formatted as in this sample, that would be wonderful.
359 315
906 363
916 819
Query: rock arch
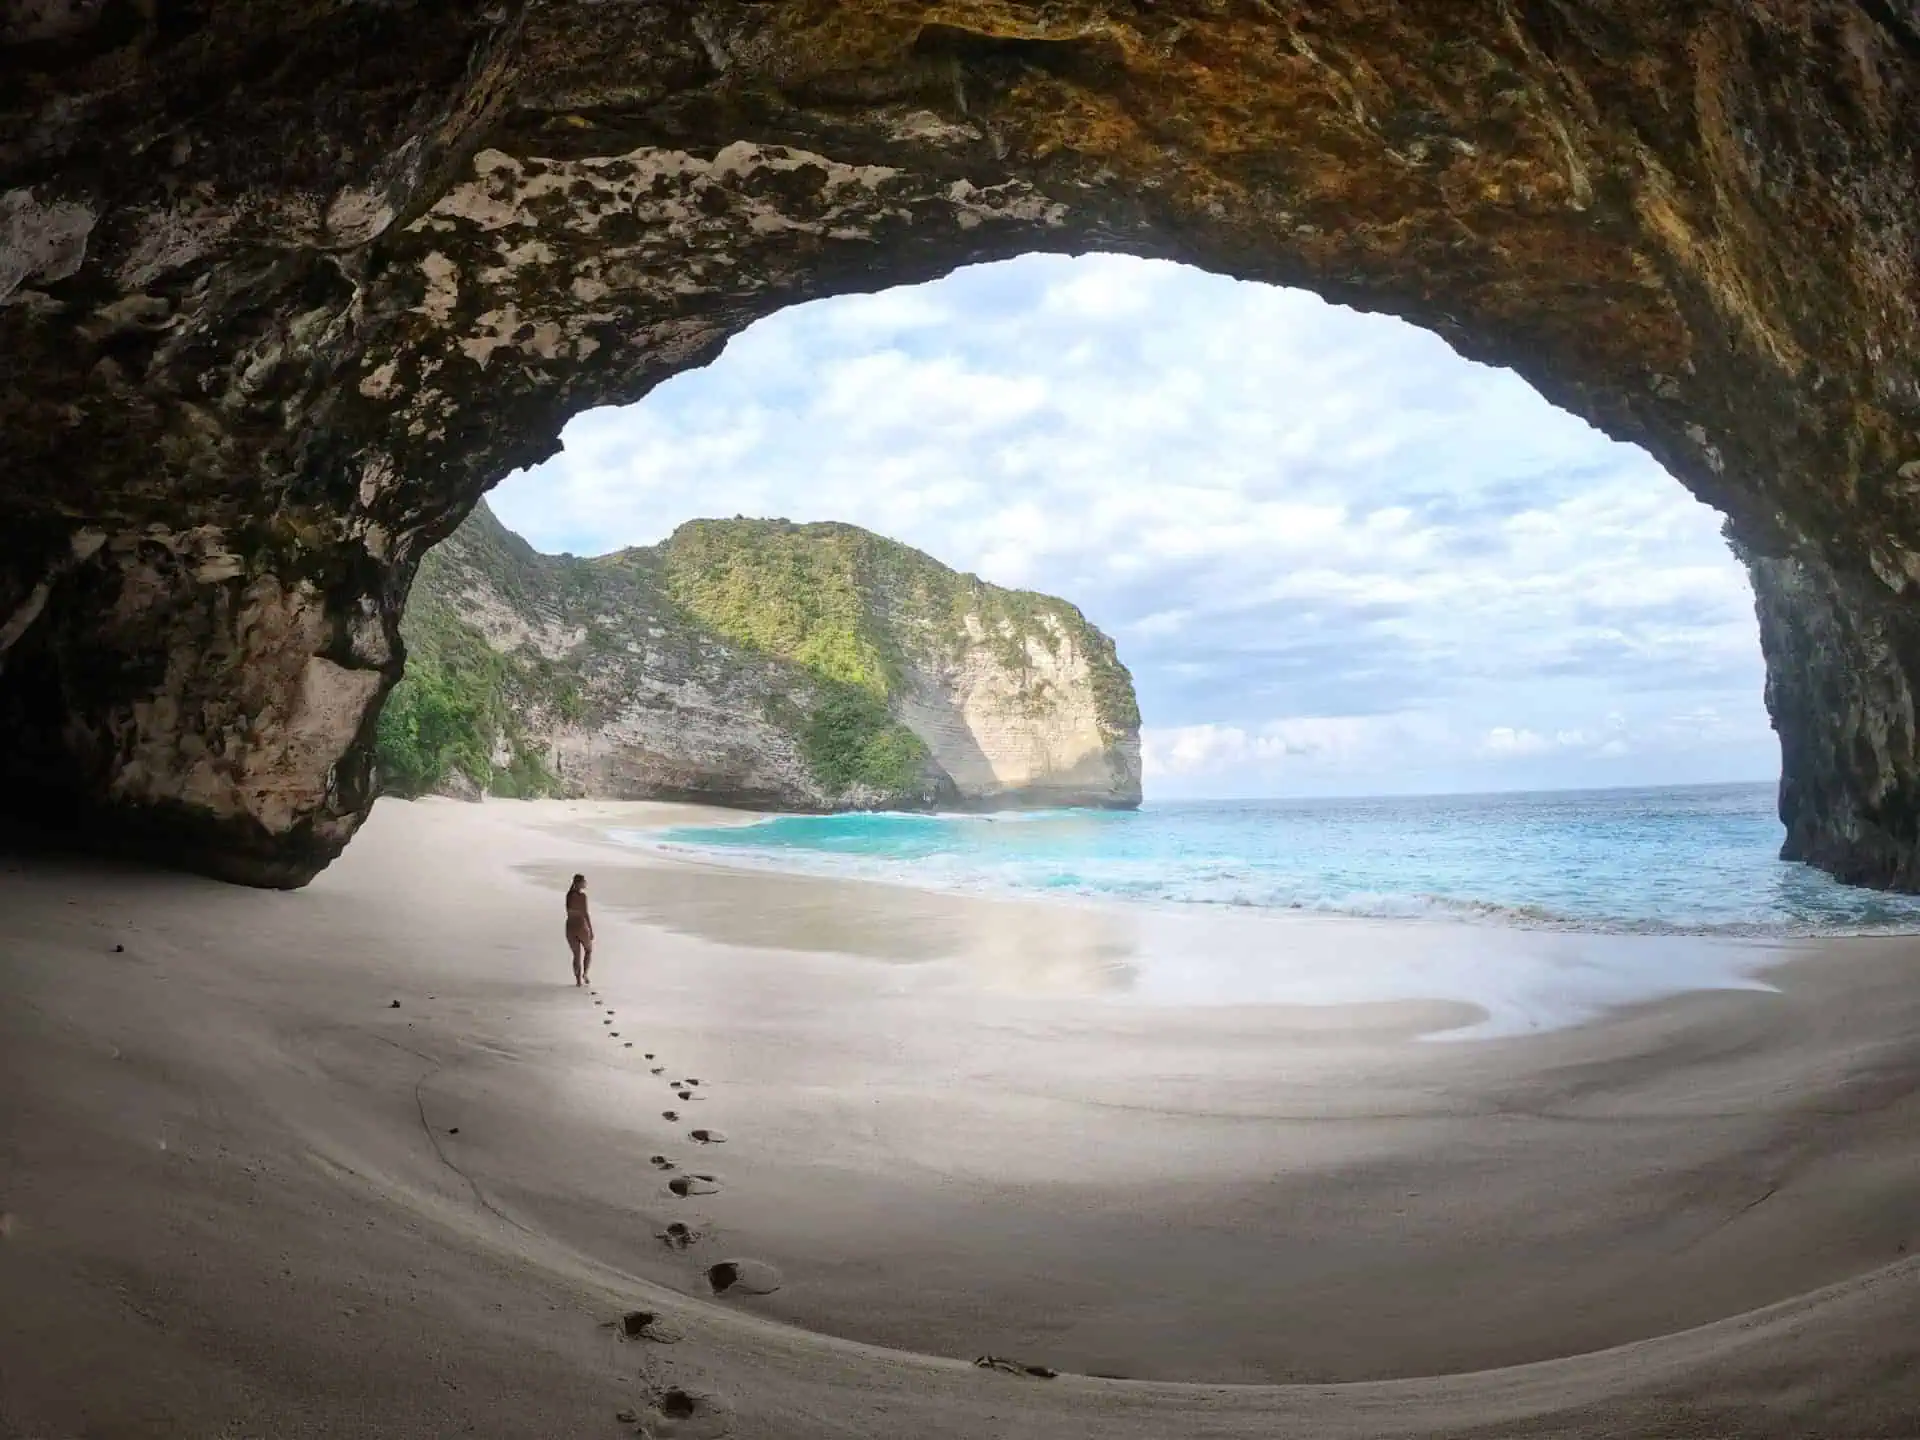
285 286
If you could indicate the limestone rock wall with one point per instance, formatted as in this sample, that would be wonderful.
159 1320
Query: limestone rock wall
301 278
1025 734
621 693
1842 661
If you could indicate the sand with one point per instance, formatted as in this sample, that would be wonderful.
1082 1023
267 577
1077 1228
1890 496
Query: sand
243 1193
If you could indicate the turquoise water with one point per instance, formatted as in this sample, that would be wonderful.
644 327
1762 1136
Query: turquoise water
1697 860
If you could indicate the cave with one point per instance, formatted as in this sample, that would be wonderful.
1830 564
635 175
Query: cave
285 287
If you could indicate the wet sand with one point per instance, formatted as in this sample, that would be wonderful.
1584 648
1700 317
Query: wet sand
244 1192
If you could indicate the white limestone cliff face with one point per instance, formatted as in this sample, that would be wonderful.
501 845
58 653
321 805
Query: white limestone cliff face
1028 734
609 688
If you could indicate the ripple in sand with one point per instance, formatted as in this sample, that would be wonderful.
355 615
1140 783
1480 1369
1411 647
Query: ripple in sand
748 1277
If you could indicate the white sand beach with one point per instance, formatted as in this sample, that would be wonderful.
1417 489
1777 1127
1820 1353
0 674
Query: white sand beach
242 1192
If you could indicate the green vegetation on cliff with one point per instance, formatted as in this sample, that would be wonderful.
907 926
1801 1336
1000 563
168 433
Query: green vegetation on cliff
452 712
776 653
843 603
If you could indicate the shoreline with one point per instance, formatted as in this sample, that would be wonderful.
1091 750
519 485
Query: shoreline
1471 914
321 1204
1577 975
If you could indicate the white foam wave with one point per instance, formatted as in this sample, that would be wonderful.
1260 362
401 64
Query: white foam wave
1219 885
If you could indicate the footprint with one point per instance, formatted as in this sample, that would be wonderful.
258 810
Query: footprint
658 1069
749 1277
649 1054
626 1044
677 1414
613 1034
685 1185
684 1094
642 1325
606 1022
679 1235
660 1162
669 1114
691 1081
707 1137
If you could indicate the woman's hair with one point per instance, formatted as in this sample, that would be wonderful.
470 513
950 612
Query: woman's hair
578 881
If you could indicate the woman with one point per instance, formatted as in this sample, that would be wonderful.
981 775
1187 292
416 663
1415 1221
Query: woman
579 929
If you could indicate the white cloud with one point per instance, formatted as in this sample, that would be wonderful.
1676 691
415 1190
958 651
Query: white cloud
1505 740
1316 742
1284 511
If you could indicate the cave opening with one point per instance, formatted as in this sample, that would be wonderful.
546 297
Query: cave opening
1322 539
1338 561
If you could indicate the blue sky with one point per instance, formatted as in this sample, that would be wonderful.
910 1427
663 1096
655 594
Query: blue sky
1338 558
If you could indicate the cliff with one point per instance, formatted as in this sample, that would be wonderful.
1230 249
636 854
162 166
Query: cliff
755 663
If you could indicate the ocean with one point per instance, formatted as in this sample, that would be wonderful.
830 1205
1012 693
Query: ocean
1700 860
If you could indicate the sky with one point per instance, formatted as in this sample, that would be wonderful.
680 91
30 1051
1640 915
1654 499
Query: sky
1337 557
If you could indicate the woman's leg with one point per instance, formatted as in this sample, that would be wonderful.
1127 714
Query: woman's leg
586 960
579 975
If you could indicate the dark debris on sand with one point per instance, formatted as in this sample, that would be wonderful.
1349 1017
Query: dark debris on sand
1014 1367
